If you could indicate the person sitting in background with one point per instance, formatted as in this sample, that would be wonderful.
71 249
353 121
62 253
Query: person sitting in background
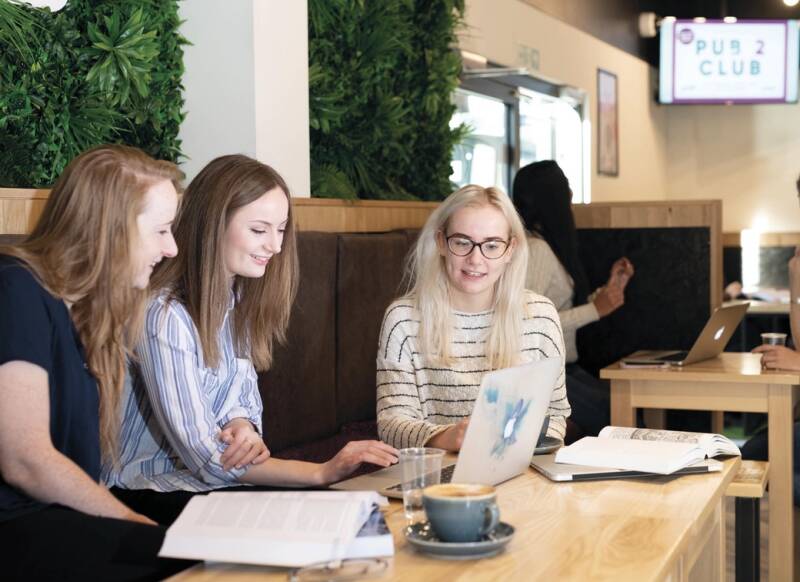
467 313
71 302
543 199
192 414
775 357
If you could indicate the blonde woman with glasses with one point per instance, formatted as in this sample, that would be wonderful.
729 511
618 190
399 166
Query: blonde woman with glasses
467 313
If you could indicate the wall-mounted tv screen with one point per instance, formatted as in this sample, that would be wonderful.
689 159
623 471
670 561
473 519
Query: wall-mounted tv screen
749 61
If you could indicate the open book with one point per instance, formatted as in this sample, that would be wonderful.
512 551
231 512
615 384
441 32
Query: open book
292 529
645 449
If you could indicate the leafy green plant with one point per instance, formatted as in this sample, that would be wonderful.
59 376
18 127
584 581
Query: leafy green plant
381 77
123 53
97 71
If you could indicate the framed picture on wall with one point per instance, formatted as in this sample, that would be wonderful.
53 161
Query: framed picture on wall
607 124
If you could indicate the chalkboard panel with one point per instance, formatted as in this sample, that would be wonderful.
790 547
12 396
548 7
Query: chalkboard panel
666 302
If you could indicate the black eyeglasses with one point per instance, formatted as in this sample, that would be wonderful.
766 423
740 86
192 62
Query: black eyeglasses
462 246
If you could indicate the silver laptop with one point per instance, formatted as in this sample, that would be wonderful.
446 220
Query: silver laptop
709 344
502 432
547 466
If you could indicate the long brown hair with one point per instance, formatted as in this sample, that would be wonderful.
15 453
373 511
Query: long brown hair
197 277
80 251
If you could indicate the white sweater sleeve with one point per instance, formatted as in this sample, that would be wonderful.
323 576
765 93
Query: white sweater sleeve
401 422
543 265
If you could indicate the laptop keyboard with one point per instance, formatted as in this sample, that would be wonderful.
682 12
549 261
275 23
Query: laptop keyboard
446 477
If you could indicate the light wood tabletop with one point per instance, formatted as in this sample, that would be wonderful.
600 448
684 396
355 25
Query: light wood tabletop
730 382
637 529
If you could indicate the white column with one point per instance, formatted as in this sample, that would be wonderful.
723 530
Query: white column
218 81
280 50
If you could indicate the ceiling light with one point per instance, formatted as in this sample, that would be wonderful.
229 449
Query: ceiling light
702 19
729 20
791 2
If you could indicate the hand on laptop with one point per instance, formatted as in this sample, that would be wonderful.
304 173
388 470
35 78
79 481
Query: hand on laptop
353 454
452 438
778 357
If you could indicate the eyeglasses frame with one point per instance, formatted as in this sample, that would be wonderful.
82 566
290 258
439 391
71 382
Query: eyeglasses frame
477 244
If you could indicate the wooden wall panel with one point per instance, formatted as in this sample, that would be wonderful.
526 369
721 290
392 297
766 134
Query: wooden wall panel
20 208
766 239
360 216
662 214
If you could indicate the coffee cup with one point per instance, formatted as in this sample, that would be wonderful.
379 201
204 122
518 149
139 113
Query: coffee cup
461 512
773 339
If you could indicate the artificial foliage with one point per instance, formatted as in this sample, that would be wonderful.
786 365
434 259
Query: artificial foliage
381 79
97 71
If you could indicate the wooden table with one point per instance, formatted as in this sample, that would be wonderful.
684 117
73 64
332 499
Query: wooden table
731 382
647 529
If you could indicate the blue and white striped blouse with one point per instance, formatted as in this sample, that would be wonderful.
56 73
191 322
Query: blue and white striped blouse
174 407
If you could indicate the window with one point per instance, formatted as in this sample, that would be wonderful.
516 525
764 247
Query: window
482 157
551 129
545 121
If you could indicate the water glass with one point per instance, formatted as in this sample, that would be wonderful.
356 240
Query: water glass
420 467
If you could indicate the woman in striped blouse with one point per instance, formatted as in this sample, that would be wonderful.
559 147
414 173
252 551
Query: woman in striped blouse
467 313
192 416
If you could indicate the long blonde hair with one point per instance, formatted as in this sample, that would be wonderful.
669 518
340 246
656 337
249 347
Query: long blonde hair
429 286
80 251
197 277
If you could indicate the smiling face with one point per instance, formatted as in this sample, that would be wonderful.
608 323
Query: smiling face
154 226
254 234
472 278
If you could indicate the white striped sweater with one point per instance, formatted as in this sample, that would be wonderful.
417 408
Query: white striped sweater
417 399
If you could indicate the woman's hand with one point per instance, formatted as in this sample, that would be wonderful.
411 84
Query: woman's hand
353 455
245 445
778 357
450 439
609 299
621 273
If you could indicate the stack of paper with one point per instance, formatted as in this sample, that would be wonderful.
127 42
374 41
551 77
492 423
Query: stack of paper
279 528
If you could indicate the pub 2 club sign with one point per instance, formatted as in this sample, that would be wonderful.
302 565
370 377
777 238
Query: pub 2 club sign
720 62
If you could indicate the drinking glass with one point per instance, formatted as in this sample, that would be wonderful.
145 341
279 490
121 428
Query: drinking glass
420 467
773 339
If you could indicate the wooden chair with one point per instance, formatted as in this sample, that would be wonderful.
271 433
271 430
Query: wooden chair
748 488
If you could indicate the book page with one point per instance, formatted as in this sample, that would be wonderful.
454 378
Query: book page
653 456
650 434
278 528
712 444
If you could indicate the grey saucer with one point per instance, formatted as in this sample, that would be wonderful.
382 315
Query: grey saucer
548 445
423 539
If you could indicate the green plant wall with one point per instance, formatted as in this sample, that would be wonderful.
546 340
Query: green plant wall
381 77
97 71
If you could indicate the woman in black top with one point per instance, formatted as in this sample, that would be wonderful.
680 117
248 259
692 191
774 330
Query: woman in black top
71 301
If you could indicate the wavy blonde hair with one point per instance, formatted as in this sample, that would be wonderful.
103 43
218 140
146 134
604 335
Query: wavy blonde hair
429 287
197 277
80 251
